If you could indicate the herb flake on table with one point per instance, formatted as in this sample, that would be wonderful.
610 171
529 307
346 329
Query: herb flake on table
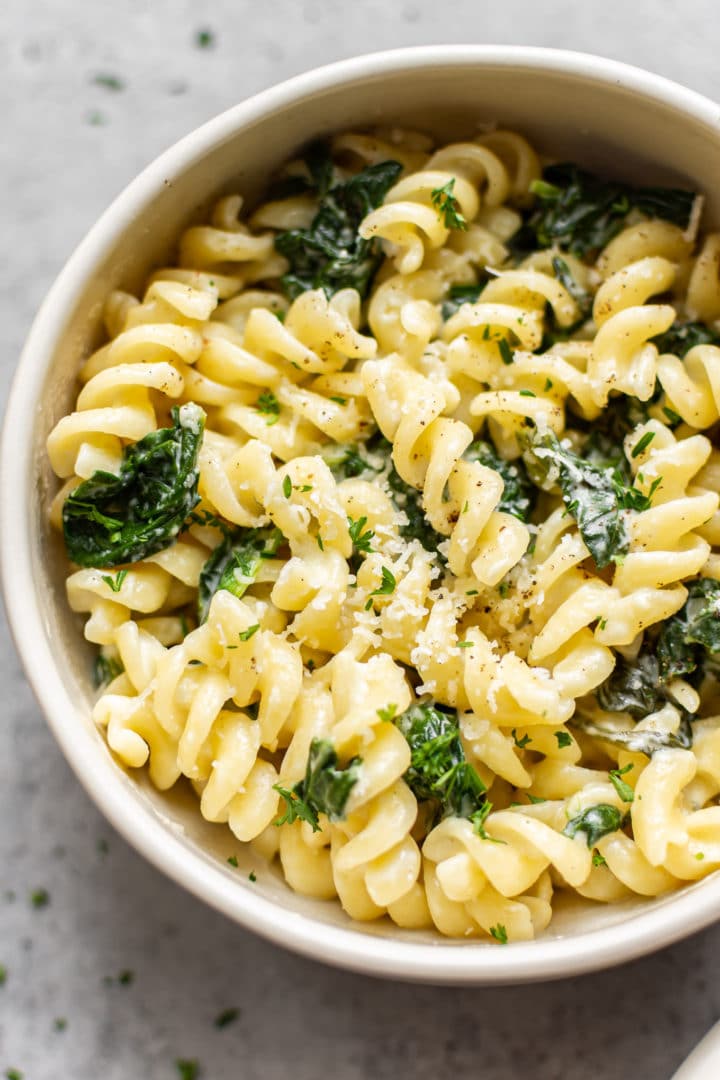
226 1017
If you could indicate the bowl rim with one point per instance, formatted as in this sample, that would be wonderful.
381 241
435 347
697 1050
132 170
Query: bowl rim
351 948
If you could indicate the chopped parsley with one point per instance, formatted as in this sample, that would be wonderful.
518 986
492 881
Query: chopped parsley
40 898
624 790
287 487
563 739
226 1017
188 1069
115 583
268 404
499 933
385 588
232 859
642 444
361 540
506 354
105 669
205 38
109 82
448 207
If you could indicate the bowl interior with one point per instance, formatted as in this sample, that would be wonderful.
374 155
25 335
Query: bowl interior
585 110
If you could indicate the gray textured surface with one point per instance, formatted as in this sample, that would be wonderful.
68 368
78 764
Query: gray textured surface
112 912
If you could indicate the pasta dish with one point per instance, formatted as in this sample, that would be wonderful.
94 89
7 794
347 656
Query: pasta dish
392 507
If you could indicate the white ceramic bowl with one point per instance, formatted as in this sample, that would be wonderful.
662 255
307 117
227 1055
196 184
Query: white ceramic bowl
602 113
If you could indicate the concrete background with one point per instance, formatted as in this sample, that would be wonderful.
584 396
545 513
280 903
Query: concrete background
69 145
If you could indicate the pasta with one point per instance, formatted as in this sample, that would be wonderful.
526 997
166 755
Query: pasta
392 510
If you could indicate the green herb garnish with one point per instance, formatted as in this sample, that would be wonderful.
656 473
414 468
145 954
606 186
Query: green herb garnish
624 790
385 588
227 1016
268 404
115 583
448 206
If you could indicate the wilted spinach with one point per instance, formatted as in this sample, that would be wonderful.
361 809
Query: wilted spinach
580 213
235 563
519 493
109 520
693 633
634 687
459 295
638 740
330 254
324 789
682 337
438 769
595 822
593 496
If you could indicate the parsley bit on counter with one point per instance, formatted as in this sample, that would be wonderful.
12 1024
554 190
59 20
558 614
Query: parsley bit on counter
227 1016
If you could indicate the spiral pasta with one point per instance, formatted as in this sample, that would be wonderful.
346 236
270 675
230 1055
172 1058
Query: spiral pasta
392 512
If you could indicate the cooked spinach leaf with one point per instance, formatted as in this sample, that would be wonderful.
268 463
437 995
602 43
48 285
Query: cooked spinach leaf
330 254
109 520
604 446
582 298
639 741
459 295
318 175
580 213
519 493
692 634
323 790
634 687
438 769
595 822
105 669
592 496
682 337
235 562
409 500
